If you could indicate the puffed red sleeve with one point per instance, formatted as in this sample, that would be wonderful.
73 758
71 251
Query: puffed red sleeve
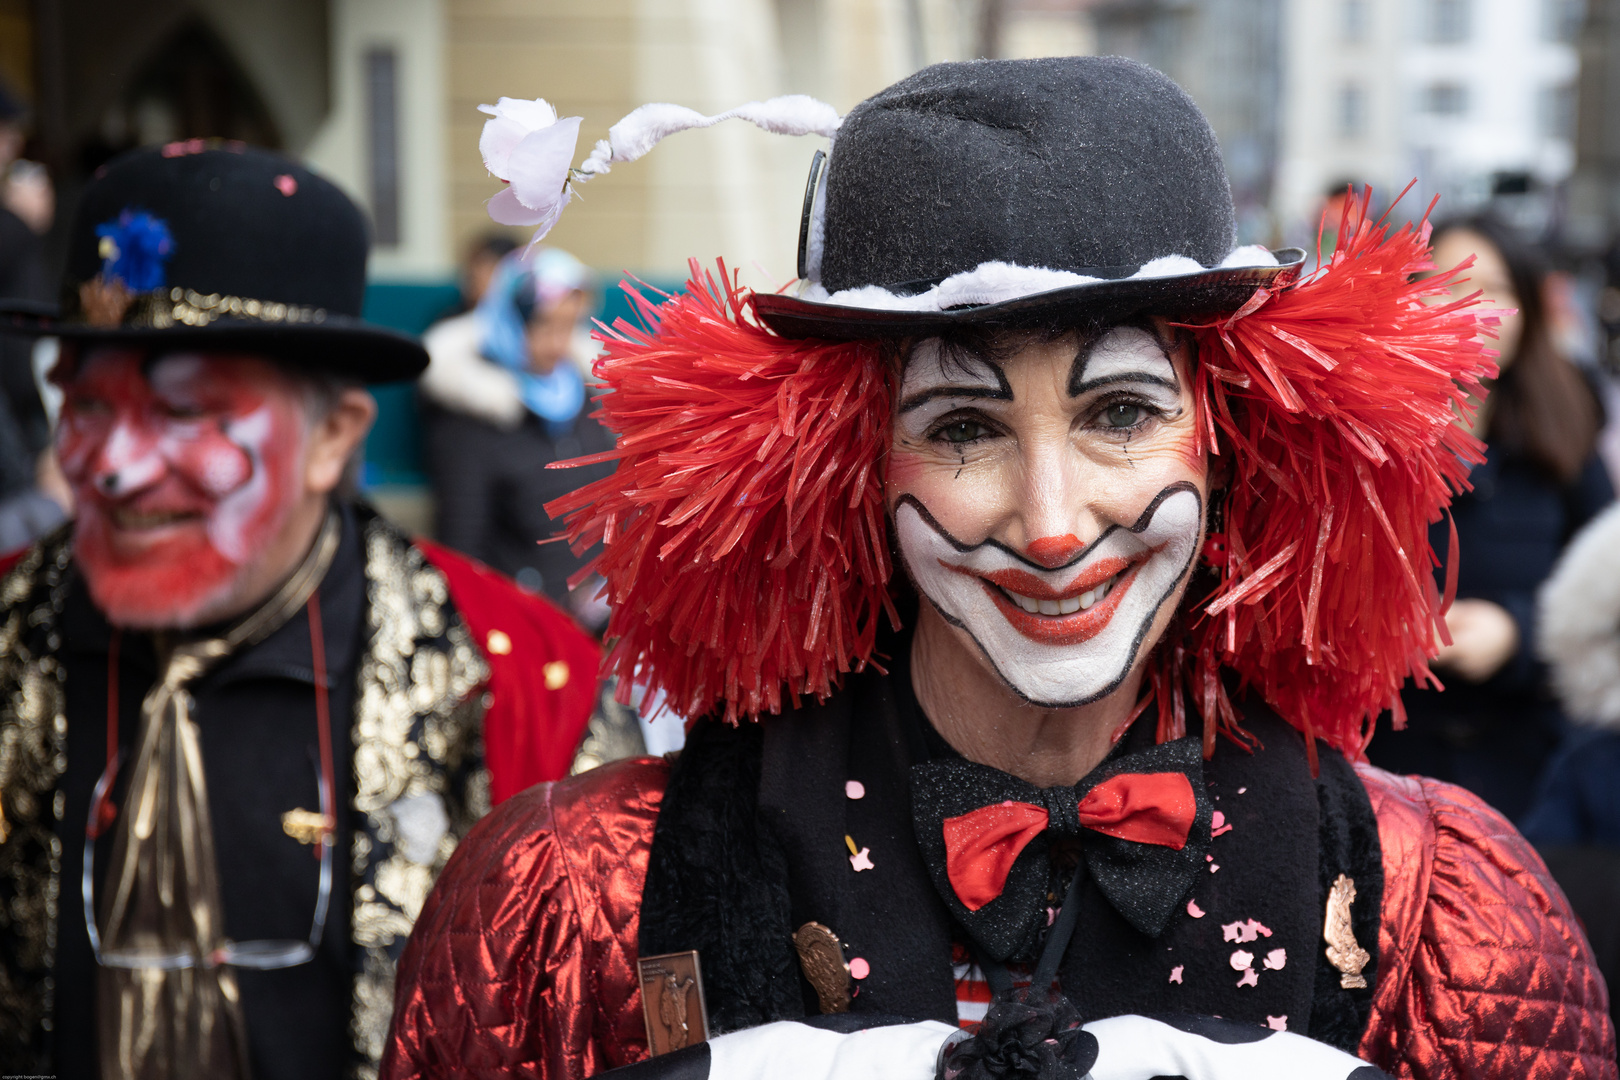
522 963
1484 971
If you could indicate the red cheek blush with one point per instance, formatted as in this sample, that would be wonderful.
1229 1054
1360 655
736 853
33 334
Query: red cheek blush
903 468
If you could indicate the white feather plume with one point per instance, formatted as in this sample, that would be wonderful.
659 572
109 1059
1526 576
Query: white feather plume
645 127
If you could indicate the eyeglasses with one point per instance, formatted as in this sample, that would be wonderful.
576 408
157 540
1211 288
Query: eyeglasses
264 955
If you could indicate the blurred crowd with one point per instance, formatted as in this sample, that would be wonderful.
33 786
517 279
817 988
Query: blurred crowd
33 496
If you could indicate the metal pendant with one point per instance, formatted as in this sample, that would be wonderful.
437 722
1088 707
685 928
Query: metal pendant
304 826
672 1001
1343 951
821 955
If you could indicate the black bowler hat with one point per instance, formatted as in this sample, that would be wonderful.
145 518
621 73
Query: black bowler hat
222 246
1010 192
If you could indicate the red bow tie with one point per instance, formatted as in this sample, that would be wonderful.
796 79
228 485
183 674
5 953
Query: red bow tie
1142 820
981 845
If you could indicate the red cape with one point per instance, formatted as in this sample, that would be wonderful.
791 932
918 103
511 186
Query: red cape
542 672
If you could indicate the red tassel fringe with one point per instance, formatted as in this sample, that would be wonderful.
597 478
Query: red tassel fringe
1336 401
746 545
747 548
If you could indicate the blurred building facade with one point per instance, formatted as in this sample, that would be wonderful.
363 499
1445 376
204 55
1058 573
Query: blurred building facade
1470 98
1594 196
382 96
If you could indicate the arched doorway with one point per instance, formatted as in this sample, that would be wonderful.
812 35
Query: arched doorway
189 87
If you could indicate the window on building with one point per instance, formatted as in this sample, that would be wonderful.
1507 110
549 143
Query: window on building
382 142
1445 99
1353 20
1555 111
1561 20
1448 21
1352 110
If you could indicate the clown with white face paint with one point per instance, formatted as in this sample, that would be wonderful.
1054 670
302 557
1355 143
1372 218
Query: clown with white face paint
1030 576
1057 583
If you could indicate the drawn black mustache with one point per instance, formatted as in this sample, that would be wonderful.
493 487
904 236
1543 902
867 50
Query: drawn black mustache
1141 523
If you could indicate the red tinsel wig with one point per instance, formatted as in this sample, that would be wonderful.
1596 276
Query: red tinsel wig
746 549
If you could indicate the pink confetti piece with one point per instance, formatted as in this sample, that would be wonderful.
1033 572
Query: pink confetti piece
1249 978
1051 915
862 860
1194 910
1214 867
1218 825
1275 959
287 184
1241 790
854 789
1209 858
1241 959
859 968
1244 930
1175 973
1277 1023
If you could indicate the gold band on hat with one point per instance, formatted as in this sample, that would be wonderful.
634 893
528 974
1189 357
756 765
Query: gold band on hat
110 306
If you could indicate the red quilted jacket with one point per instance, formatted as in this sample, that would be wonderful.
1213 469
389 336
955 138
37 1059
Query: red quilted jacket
523 960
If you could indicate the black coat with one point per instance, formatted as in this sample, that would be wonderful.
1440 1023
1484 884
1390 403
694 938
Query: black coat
1493 738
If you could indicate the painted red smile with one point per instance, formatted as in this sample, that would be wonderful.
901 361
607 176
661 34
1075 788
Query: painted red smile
1086 615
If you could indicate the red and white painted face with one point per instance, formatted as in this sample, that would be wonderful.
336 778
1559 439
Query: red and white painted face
1049 503
185 468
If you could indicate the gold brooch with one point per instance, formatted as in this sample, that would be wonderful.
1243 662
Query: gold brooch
304 826
1343 952
821 955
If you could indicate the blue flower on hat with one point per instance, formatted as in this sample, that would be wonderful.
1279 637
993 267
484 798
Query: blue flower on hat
134 248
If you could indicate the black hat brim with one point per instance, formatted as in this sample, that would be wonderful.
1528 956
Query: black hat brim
339 345
1098 303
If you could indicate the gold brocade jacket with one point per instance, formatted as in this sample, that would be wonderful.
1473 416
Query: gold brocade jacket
416 727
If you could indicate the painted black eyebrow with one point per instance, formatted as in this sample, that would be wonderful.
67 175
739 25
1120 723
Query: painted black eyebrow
1077 371
1002 392
1075 390
918 400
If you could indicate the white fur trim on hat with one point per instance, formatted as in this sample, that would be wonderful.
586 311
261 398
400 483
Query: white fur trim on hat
997 282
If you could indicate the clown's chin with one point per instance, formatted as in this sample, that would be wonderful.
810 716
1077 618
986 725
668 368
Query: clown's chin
177 583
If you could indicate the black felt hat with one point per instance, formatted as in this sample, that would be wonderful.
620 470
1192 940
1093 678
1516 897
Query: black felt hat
1010 192
223 246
